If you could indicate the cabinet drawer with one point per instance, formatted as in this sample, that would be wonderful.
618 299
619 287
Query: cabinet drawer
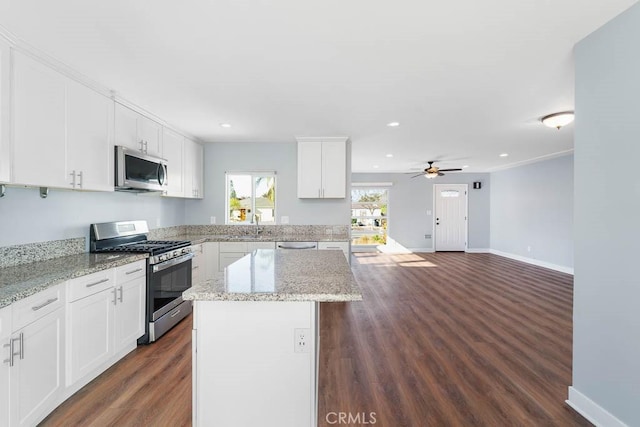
89 284
251 246
36 306
233 247
131 271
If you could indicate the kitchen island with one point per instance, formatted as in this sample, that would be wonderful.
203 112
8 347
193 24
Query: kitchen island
256 337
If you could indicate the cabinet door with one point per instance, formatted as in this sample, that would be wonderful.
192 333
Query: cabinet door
36 376
5 163
197 264
151 133
126 128
89 334
39 101
130 312
173 147
211 254
5 369
198 175
309 170
89 138
334 169
193 170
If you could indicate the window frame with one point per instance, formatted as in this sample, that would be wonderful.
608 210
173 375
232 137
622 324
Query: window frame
253 175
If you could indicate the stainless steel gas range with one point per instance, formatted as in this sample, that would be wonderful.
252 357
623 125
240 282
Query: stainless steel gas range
168 271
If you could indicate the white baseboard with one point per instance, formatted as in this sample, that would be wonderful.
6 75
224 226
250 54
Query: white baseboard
593 412
429 250
477 250
556 267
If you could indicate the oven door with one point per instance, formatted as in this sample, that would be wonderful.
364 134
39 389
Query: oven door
167 281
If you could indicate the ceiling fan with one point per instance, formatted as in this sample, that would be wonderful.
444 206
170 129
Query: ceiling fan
434 171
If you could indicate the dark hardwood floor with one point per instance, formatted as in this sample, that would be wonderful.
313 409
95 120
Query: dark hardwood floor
446 339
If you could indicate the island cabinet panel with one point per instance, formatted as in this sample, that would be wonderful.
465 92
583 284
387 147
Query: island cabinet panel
248 369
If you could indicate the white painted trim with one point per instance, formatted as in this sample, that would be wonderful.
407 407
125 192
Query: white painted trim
530 161
593 412
427 250
539 263
478 250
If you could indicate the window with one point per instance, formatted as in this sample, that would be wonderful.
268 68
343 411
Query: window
369 217
251 193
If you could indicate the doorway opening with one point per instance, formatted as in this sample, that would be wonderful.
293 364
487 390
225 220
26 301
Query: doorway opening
369 219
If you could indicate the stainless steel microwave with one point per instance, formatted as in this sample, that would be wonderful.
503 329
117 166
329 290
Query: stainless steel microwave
136 171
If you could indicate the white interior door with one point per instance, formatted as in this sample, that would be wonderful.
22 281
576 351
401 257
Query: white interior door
451 217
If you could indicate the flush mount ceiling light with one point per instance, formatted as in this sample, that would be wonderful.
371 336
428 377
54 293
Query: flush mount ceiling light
225 125
431 175
557 120
504 155
393 124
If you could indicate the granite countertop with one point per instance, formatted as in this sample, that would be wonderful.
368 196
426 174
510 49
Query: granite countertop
201 238
24 280
273 275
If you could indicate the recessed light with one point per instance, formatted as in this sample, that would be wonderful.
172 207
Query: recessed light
465 166
225 125
504 154
393 124
376 166
389 155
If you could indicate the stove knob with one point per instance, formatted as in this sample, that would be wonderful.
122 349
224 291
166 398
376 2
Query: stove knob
176 253
162 257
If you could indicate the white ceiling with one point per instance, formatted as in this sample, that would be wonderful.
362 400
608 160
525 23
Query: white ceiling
466 79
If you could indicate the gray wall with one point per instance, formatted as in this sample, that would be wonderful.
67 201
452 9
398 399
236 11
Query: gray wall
411 198
532 207
606 348
26 218
279 157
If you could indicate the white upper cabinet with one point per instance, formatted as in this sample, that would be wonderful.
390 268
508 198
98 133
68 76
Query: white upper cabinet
5 159
62 130
193 169
135 131
173 147
322 168
89 138
39 124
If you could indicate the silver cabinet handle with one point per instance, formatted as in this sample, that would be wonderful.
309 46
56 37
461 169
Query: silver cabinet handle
22 344
121 294
12 352
141 145
80 179
90 285
195 267
133 271
44 304
73 182
175 313
10 359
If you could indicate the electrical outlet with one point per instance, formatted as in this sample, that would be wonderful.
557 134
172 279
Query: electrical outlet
528 248
212 220
284 220
427 236
157 222
301 340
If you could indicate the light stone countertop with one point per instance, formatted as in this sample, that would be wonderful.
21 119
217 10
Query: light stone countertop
196 239
24 280
275 275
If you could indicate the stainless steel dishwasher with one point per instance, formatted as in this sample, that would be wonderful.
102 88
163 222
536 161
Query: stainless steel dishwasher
297 245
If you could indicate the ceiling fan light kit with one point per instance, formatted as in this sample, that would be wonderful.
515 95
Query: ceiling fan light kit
558 120
434 171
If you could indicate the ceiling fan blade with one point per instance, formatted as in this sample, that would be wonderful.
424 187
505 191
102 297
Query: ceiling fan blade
415 176
440 174
450 170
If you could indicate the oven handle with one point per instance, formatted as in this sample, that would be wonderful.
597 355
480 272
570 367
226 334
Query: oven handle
171 262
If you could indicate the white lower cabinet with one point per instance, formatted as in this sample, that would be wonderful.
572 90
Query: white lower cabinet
5 368
212 258
36 371
197 264
105 317
341 246
230 252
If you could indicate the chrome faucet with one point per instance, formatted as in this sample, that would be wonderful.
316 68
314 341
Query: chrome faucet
256 219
